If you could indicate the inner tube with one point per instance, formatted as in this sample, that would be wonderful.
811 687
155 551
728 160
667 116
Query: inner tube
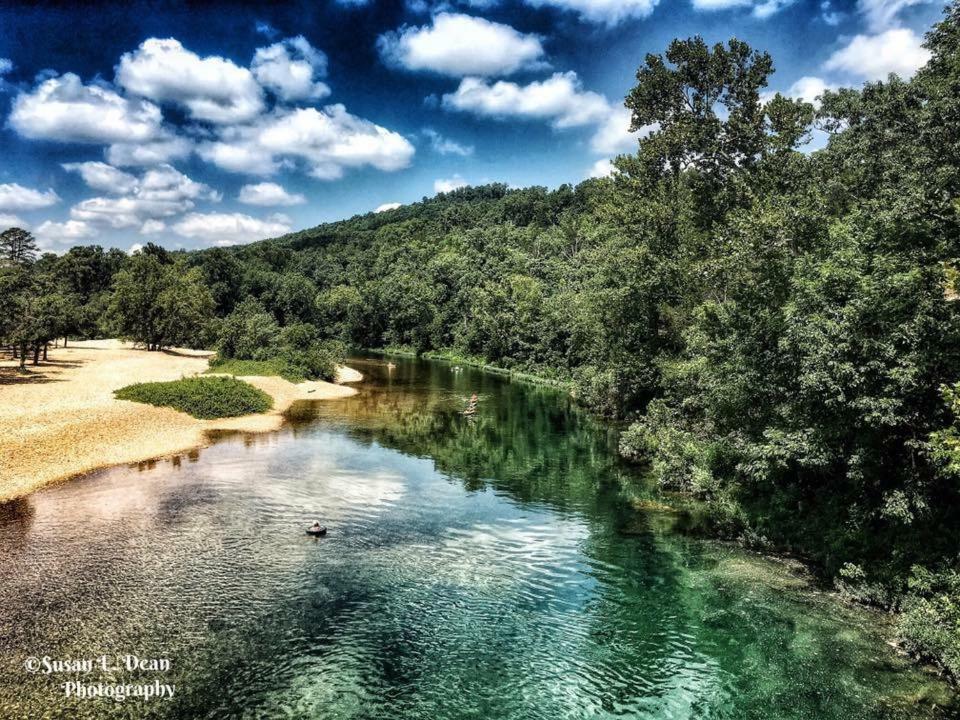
317 533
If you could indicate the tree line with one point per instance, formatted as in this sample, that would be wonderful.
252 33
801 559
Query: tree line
777 330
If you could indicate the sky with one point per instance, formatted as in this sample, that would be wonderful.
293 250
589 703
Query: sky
194 125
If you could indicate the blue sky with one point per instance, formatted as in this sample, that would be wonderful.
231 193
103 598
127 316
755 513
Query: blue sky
201 124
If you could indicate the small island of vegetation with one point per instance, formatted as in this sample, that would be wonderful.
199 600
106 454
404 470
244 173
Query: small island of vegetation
206 398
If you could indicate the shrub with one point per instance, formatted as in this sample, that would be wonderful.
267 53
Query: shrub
317 362
248 333
930 621
205 398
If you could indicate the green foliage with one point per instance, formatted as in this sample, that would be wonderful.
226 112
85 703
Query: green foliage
776 327
204 398
248 333
930 621
295 352
159 302
256 368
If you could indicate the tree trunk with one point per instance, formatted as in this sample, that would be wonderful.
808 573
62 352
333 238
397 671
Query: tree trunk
64 340
23 355
36 354
45 346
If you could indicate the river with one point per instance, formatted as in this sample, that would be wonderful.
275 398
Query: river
486 567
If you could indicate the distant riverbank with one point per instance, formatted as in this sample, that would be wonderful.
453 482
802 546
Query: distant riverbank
61 419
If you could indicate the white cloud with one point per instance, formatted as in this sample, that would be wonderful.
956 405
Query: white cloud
808 88
152 227
558 99
328 141
18 197
602 168
608 12
449 184
65 233
123 212
760 8
873 57
230 228
289 68
64 109
212 89
461 45
238 152
135 248
269 194
6 66
882 14
156 152
8 221
387 206
613 136
101 176
169 184
161 192
445 146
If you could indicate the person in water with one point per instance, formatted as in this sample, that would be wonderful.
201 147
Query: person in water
316 527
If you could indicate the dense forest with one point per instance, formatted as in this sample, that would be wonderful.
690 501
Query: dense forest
776 329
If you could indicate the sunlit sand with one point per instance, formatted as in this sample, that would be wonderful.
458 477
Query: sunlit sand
61 419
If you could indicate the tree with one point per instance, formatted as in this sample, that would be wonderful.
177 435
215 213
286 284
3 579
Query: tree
17 247
159 302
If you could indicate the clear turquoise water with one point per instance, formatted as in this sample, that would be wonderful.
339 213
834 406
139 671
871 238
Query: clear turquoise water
486 568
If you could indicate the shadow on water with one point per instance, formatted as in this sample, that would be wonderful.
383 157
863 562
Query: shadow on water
480 566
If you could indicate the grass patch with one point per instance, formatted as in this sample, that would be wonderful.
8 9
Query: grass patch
251 368
203 397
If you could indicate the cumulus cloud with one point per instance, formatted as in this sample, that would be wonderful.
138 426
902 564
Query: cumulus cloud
62 108
269 194
161 192
100 176
602 168
760 8
212 89
607 12
387 206
460 45
135 248
50 234
445 185
327 141
289 69
808 88
873 57
5 66
17 197
230 228
8 220
445 146
152 227
613 135
151 153
558 99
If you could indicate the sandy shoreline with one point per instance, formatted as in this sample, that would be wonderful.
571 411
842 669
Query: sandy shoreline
63 420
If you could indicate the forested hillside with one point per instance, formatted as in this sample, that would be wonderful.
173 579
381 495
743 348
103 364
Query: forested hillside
776 328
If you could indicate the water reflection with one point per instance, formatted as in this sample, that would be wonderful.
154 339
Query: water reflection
474 568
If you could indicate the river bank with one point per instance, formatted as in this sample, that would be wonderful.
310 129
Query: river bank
61 419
